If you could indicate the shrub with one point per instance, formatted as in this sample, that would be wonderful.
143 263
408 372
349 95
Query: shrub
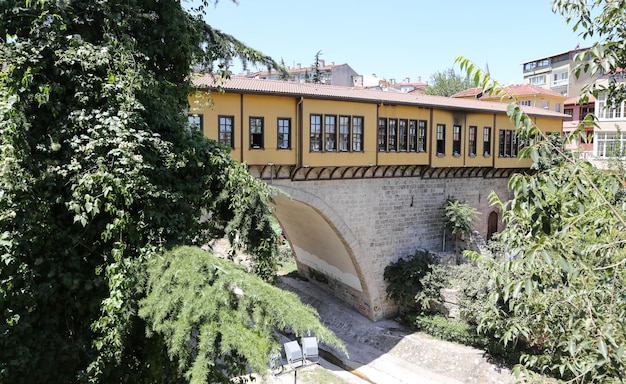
415 283
462 333
473 285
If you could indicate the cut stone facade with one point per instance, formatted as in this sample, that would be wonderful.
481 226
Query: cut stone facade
378 221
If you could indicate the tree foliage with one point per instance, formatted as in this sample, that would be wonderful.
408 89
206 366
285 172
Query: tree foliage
458 216
415 282
101 172
561 295
447 83
316 76
216 319
601 20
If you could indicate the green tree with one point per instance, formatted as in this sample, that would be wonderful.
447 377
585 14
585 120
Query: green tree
447 83
560 294
316 76
101 172
458 218
251 308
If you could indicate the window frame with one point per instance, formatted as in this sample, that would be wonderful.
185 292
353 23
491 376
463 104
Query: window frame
226 137
256 123
392 136
280 131
330 133
196 120
412 136
357 133
315 132
422 135
509 145
403 135
471 140
486 141
344 133
456 140
441 139
382 134
614 141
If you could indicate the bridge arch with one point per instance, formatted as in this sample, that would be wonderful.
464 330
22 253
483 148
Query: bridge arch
325 248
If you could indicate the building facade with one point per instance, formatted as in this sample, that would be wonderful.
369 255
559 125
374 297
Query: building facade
332 74
556 72
298 124
527 95
580 141
609 136
362 174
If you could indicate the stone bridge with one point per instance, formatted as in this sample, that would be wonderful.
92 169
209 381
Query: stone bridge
346 226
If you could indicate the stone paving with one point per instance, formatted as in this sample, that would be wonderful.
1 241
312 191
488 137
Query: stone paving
383 352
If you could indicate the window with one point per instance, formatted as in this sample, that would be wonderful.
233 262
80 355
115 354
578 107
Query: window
195 121
225 135
610 144
382 135
456 140
524 103
344 133
393 132
530 66
357 134
471 148
486 141
256 132
421 136
316 132
560 78
537 80
605 111
330 132
284 133
441 139
402 135
557 107
508 143
413 135
584 111
569 111
545 104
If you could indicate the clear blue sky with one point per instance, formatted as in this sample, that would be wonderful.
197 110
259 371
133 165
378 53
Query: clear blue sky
395 39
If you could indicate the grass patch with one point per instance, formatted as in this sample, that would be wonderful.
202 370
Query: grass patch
463 333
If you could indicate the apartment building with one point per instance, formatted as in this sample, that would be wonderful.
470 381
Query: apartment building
332 74
527 95
609 136
556 72
603 144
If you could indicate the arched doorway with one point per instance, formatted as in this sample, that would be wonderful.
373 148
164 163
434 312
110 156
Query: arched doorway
492 224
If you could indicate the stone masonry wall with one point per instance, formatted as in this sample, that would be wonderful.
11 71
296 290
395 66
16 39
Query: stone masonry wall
385 219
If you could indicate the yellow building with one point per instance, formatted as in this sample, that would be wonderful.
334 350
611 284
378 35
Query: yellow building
297 126
527 95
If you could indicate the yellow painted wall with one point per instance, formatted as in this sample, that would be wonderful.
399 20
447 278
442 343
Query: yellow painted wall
480 121
448 119
215 105
345 108
279 107
406 113
299 110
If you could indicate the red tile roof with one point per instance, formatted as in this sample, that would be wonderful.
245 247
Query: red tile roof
516 89
576 99
330 92
296 70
